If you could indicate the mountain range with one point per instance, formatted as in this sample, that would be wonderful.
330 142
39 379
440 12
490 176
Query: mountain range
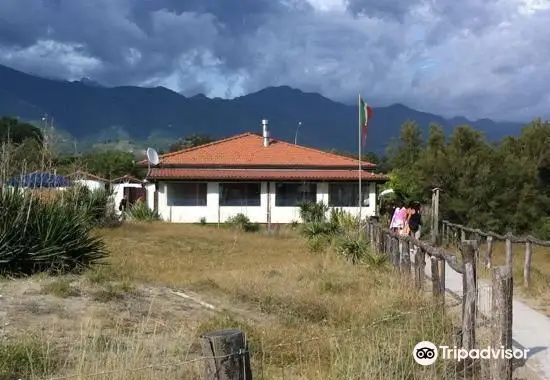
88 111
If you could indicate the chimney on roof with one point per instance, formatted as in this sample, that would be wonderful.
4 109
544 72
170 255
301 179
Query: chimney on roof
265 132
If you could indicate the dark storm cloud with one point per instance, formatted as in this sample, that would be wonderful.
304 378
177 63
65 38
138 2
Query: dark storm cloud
458 57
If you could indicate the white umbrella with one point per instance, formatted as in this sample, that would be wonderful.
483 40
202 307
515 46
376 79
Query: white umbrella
386 192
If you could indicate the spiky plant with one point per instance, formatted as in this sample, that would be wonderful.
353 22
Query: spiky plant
40 236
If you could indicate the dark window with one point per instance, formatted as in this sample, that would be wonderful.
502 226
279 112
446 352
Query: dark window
347 194
240 194
187 194
292 194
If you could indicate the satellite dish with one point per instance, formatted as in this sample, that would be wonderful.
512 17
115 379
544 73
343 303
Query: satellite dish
152 156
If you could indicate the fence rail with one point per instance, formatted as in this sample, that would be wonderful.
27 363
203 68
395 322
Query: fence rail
454 233
402 250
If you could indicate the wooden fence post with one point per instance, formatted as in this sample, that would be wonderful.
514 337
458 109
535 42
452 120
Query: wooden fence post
469 295
371 233
462 235
226 354
419 264
489 253
501 331
379 239
527 264
406 259
509 252
436 286
441 269
396 253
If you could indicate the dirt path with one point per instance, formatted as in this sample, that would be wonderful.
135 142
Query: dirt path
531 329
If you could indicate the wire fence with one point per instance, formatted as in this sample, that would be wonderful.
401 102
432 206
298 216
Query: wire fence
324 356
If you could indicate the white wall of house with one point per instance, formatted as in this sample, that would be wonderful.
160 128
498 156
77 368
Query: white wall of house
90 184
118 192
214 213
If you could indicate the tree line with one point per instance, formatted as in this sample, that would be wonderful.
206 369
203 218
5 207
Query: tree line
499 186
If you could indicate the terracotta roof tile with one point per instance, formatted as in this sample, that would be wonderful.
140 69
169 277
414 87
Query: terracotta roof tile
247 149
263 174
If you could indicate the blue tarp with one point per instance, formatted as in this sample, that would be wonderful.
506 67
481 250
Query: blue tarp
39 179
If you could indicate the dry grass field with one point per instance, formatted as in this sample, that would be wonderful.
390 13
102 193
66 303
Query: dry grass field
307 315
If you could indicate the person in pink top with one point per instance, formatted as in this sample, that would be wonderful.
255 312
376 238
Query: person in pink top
399 218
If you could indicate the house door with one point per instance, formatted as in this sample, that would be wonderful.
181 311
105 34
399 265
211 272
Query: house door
135 193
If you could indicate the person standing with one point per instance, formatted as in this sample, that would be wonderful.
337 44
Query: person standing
123 206
415 223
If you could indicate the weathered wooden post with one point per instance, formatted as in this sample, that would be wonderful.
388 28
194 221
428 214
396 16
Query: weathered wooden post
419 264
469 295
527 264
380 239
371 233
489 253
226 354
406 259
501 331
436 241
441 269
509 251
436 286
396 252
462 235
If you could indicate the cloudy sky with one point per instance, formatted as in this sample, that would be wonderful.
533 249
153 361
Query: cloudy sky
477 58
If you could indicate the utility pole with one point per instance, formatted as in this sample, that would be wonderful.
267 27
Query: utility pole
296 134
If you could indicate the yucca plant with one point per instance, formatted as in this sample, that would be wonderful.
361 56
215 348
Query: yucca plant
312 212
96 204
352 248
141 212
44 236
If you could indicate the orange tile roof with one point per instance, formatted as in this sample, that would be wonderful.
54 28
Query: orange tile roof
247 150
264 174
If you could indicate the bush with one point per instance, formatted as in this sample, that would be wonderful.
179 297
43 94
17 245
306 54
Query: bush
44 236
352 248
96 204
311 212
141 212
242 222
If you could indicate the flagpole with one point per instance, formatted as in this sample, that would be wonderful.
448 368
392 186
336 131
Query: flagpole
359 158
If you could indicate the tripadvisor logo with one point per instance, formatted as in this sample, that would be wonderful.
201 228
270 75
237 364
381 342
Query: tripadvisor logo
426 353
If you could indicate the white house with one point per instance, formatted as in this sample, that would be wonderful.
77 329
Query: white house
130 187
91 181
263 178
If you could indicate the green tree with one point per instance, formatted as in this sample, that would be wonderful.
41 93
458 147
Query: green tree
191 142
15 131
110 164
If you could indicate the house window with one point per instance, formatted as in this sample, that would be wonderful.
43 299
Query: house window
292 194
187 194
347 194
240 194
